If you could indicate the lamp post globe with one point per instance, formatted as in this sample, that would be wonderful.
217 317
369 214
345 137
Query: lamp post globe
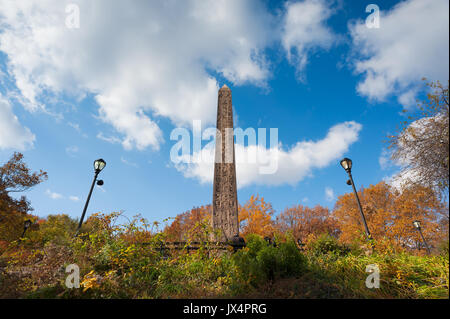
416 224
99 165
346 164
27 224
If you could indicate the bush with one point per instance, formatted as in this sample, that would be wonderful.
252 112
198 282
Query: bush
443 248
260 262
327 244
58 229
402 275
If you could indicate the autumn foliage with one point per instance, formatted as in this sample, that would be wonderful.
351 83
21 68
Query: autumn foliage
304 222
190 224
255 217
390 214
16 177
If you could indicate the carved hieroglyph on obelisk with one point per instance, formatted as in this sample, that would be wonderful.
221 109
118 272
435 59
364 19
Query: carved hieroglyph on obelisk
225 204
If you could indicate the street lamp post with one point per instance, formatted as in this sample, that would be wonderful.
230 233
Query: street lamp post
98 166
346 163
416 224
26 225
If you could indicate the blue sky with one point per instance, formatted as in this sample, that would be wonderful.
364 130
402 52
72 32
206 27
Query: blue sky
117 84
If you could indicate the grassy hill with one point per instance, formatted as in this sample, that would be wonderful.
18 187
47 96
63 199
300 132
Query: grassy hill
125 262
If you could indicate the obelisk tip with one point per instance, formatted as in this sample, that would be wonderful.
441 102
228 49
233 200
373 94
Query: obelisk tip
225 87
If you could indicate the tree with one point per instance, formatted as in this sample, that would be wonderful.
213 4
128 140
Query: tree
190 225
390 213
422 144
303 222
255 217
15 176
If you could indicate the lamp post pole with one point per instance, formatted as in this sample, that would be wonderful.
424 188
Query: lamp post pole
26 225
98 166
87 201
416 224
369 236
346 163
424 241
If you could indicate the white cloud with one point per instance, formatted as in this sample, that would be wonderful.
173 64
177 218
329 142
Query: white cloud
109 139
101 188
384 159
140 60
71 150
76 126
294 164
126 162
74 198
401 179
412 42
329 194
12 134
407 174
408 98
305 30
53 195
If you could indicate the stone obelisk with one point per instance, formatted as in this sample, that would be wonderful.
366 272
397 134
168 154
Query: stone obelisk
225 204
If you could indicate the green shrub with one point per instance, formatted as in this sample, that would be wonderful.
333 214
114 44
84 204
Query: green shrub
327 244
260 262
443 248
58 229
